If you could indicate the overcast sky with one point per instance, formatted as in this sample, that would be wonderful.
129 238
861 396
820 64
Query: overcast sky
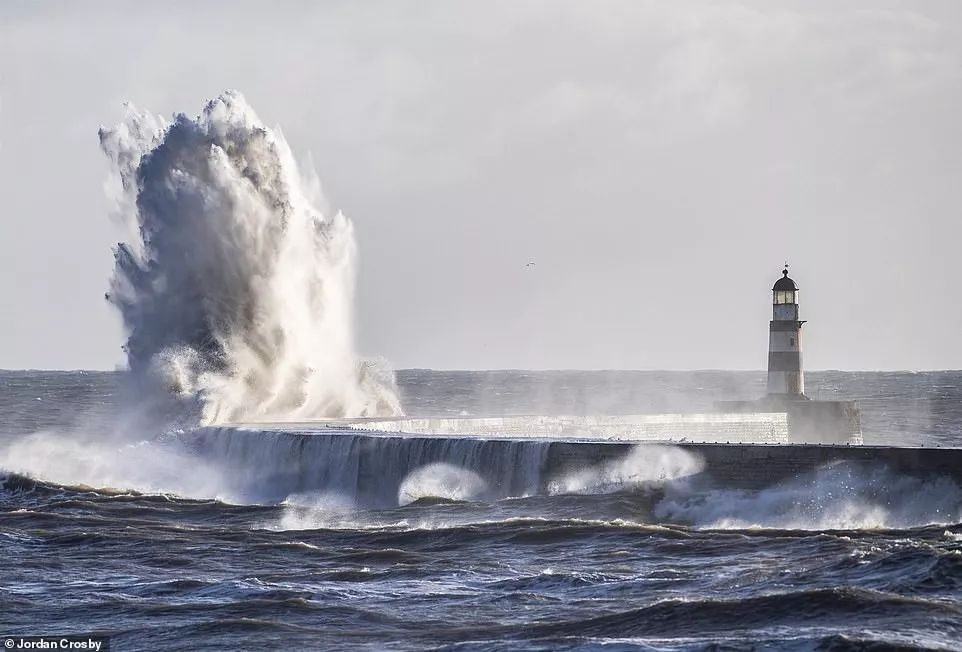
658 161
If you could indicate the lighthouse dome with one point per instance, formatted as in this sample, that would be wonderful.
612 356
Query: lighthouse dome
784 284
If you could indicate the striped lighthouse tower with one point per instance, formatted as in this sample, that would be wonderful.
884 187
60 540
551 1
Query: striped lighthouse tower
785 376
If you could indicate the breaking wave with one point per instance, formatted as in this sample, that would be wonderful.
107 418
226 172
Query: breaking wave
642 466
441 480
233 286
840 496
340 479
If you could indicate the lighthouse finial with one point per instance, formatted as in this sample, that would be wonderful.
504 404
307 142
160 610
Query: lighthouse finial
785 271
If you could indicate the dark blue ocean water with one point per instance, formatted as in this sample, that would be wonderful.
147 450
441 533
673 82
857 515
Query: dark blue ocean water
109 524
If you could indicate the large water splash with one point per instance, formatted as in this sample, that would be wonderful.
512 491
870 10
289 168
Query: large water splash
233 286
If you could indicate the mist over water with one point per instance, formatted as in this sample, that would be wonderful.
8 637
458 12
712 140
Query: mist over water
133 444
836 497
234 286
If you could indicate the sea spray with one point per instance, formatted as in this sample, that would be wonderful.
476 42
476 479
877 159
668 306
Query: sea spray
233 285
441 480
107 463
650 465
835 497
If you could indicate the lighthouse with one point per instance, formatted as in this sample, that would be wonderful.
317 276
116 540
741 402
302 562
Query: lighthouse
809 421
785 377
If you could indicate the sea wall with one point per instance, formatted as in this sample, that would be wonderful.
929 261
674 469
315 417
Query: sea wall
269 465
754 466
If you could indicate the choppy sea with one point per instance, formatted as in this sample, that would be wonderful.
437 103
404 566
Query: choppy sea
110 525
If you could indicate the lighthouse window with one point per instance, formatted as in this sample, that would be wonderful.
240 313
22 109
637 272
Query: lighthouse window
784 297
792 341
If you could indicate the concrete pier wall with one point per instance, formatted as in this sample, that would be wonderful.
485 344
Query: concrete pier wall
273 463
759 466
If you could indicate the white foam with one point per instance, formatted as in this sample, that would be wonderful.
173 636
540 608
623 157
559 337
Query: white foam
838 496
441 480
643 466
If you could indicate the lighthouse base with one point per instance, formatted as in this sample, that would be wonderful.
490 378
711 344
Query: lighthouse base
809 422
